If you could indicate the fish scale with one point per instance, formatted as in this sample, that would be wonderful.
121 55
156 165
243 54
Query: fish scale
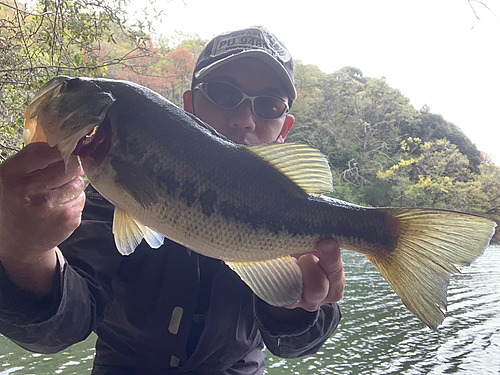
171 175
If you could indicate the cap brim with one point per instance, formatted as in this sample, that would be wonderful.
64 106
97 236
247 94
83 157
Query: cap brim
258 54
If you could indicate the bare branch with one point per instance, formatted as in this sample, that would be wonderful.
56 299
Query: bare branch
17 9
484 5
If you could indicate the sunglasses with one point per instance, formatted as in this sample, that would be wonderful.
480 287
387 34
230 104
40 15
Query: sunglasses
227 96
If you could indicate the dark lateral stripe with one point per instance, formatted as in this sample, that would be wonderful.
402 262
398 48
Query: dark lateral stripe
299 216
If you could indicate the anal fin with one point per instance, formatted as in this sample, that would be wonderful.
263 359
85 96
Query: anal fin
276 281
129 233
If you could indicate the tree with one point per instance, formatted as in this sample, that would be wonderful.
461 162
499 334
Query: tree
50 38
434 174
432 126
169 69
478 5
353 120
485 199
379 113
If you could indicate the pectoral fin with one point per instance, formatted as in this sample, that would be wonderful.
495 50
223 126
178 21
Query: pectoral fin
276 281
129 233
135 182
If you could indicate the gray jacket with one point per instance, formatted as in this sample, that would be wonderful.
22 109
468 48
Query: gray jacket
163 311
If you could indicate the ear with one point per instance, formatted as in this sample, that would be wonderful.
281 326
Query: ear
287 125
188 101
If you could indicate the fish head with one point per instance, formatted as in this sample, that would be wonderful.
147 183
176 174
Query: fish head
68 110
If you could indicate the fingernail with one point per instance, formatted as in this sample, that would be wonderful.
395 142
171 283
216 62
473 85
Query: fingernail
326 246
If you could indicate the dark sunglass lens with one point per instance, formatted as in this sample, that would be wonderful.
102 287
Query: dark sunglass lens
225 95
269 108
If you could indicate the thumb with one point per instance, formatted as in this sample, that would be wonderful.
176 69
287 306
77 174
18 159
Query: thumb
330 259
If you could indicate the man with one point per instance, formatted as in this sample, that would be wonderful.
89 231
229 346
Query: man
167 310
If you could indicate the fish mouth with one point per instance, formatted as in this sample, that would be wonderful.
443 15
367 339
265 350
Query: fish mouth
96 144
71 113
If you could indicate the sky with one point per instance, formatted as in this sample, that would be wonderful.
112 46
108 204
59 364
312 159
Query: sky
436 52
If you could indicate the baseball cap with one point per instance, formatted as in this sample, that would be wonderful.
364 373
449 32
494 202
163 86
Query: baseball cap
256 42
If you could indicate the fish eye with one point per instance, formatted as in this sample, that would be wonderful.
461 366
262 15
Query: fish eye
72 84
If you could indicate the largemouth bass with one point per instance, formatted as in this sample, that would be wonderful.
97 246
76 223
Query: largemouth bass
171 175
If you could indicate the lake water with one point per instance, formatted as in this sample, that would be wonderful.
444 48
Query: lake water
377 334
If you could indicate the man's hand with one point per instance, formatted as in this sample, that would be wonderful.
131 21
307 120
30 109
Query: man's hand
40 206
323 282
322 274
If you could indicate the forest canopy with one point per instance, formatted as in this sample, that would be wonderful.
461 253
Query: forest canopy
382 150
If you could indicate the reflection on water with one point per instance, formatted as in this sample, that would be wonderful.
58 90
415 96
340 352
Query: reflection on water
377 334
75 360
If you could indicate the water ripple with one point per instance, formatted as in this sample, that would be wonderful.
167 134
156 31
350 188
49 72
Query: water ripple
378 335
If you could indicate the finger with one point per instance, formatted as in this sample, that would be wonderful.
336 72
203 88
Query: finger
63 220
331 262
315 280
72 211
298 255
329 258
55 176
36 156
66 193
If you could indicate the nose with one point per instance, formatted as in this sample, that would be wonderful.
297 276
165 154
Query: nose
243 118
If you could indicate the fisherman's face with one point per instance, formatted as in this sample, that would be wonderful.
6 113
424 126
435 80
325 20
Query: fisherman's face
241 125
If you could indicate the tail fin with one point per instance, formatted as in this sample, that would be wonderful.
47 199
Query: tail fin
429 244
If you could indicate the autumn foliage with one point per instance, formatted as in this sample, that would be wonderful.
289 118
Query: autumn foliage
166 72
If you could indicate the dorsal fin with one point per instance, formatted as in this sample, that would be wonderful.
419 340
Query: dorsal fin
302 164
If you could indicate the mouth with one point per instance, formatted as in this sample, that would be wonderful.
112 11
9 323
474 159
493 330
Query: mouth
97 143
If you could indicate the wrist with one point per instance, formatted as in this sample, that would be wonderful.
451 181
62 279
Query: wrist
32 272
287 316
281 321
